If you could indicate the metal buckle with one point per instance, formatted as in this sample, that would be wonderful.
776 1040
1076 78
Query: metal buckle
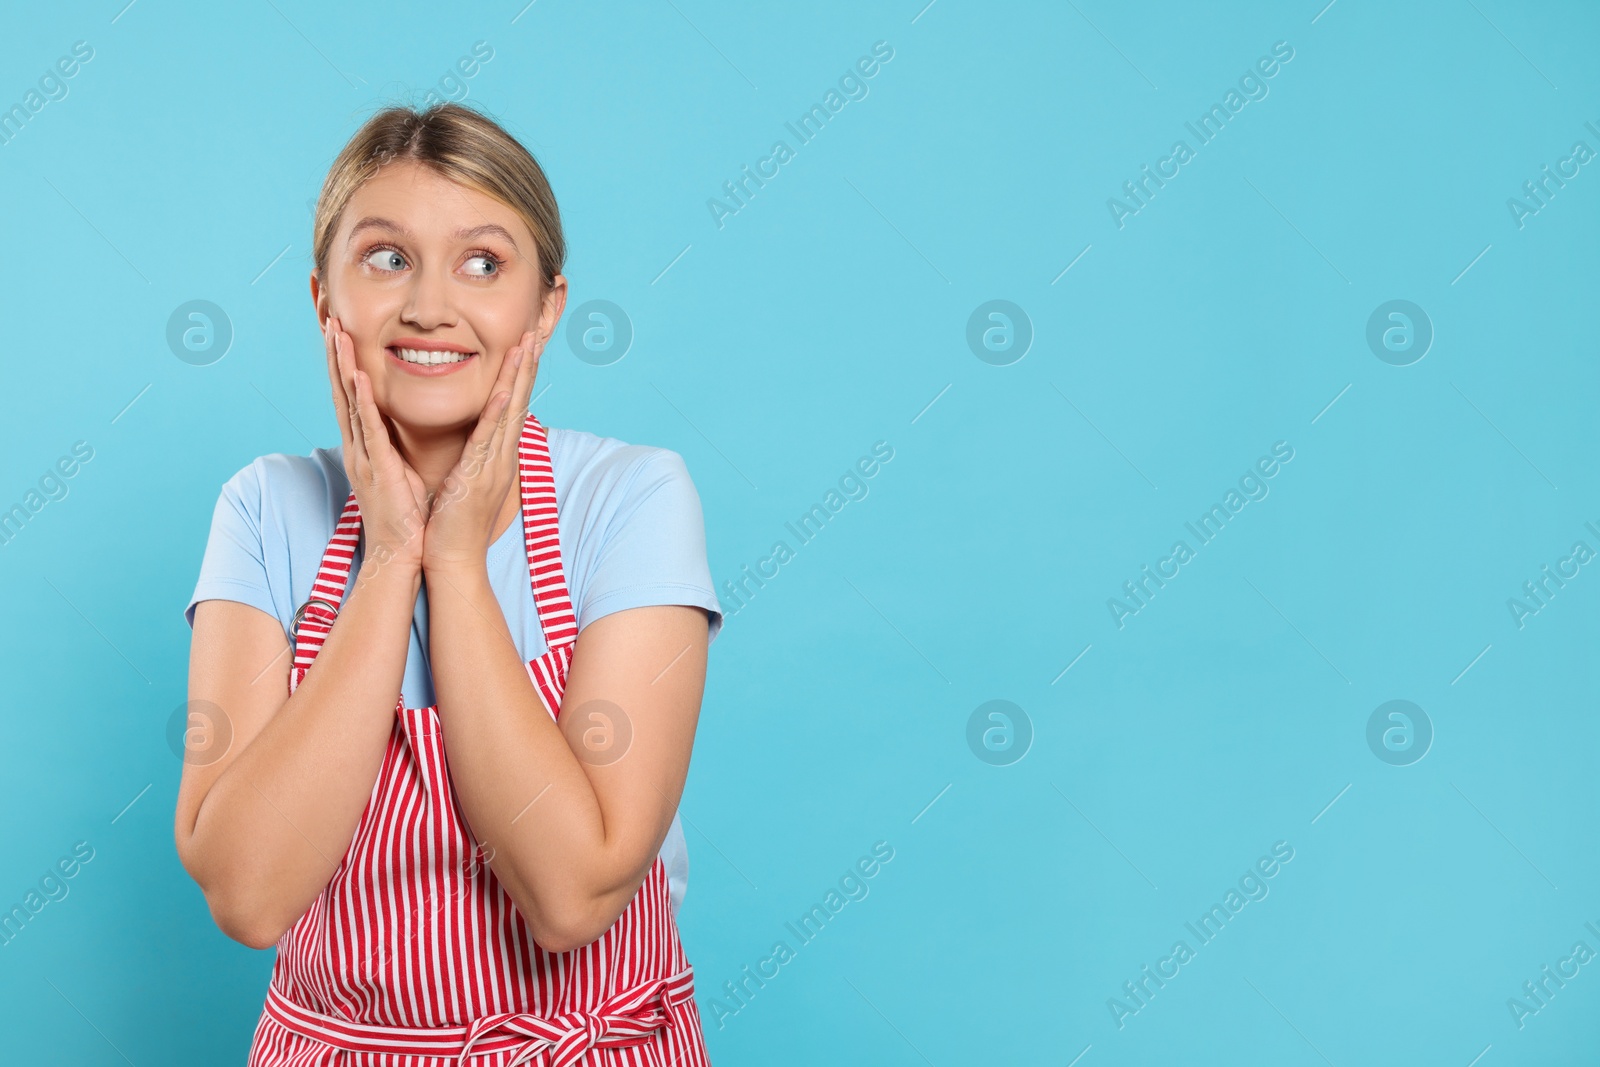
294 626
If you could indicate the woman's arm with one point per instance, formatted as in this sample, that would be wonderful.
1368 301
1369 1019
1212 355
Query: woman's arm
262 828
571 839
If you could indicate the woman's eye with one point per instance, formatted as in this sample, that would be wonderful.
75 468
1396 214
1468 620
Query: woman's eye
486 266
386 259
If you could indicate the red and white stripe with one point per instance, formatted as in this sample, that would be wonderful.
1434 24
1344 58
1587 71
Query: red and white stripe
414 955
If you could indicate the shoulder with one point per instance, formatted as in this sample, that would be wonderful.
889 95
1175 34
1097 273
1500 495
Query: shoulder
593 470
279 485
632 526
272 518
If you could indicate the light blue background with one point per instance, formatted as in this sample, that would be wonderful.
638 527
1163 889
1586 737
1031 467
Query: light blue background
828 314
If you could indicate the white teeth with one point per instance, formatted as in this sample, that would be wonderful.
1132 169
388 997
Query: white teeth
428 359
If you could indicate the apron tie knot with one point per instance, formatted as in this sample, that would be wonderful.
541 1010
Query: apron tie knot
625 1019
582 1031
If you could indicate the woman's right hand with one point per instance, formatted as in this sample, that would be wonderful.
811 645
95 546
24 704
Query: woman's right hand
391 495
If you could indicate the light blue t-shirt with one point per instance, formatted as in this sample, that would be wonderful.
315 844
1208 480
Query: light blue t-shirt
628 516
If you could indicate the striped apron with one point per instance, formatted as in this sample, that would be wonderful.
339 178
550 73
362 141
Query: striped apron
414 955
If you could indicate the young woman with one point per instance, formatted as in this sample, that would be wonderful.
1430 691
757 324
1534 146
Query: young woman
452 668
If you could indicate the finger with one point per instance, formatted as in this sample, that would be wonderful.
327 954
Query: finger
344 360
484 440
494 411
458 483
341 401
517 358
516 409
373 435
382 440
347 351
344 364
341 407
374 426
360 457
529 371
508 426
506 379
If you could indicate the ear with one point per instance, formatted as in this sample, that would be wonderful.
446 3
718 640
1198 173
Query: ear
319 299
554 303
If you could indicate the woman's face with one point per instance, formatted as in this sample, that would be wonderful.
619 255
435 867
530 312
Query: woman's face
423 268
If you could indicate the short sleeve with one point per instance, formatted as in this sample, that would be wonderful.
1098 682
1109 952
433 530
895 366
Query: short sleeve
234 566
653 548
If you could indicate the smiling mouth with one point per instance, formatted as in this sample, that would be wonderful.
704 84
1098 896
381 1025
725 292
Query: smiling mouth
427 358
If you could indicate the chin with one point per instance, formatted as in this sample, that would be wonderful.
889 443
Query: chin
438 415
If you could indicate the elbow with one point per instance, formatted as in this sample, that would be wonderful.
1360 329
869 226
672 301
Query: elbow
244 921
255 936
567 932
573 923
241 915
236 913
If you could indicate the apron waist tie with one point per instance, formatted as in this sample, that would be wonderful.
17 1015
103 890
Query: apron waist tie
630 1017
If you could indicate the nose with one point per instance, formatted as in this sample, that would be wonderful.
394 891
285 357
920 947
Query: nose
427 304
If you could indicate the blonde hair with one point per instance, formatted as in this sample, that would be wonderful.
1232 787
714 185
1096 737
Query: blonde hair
461 144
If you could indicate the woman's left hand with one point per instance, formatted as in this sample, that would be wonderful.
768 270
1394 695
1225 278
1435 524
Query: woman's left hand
468 504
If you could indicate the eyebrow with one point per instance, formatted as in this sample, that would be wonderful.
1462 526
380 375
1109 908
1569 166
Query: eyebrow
377 222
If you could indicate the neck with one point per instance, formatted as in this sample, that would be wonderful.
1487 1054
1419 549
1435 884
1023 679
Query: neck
432 454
